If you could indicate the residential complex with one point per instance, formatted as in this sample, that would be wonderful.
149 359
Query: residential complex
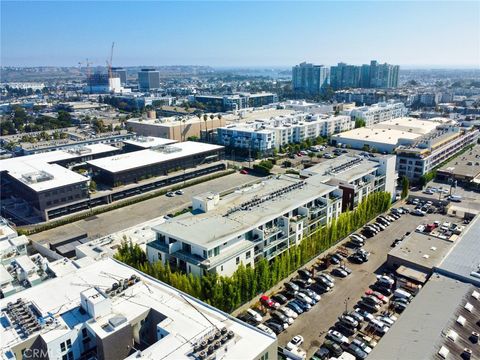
433 149
267 134
260 221
148 79
377 112
374 75
310 79
264 220
107 310
238 101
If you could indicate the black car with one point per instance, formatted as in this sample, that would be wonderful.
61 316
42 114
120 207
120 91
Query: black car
333 347
399 307
320 288
381 289
279 298
336 259
292 287
340 273
344 329
305 274
356 258
366 306
276 327
368 233
321 354
357 352
301 283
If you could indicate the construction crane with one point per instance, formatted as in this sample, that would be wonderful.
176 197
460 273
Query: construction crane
109 62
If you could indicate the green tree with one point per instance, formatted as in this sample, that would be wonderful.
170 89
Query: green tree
405 186
359 122
92 186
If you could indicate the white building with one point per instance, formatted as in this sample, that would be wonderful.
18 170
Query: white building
378 112
107 310
263 220
268 134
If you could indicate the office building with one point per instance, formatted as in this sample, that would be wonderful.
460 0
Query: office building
99 83
356 176
177 129
310 79
377 112
120 73
44 181
261 221
429 151
385 136
265 135
153 162
145 142
108 310
374 75
234 102
148 79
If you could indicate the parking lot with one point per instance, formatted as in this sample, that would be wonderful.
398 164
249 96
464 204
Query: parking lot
314 325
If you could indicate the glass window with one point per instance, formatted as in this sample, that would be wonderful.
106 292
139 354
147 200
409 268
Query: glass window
237 261
63 347
247 255
69 343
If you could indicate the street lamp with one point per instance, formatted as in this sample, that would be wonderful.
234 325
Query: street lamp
346 304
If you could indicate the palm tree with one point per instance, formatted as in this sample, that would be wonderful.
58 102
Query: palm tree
211 118
184 121
205 118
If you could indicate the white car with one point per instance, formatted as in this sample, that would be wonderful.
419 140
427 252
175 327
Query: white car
337 337
385 279
295 342
288 312
304 298
420 228
267 330
328 277
386 320
255 315
362 345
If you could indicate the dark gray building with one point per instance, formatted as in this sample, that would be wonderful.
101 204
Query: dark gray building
148 79
121 73
310 79
373 75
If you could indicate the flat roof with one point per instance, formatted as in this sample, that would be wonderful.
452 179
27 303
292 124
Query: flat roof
422 249
136 159
147 142
377 135
407 124
213 228
421 330
38 173
463 261
186 320
466 165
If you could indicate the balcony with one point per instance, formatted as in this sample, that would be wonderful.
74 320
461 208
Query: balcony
188 257
160 246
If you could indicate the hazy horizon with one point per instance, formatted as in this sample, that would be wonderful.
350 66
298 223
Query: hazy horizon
434 35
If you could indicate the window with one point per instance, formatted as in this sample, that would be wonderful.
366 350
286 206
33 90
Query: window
216 251
237 260
84 332
70 355
63 347
247 255
69 343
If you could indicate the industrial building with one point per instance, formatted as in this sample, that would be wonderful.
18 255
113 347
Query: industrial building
265 135
157 161
108 310
377 112
431 150
44 180
464 169
175 128
357 176
386 136
440 323
260 221
233 102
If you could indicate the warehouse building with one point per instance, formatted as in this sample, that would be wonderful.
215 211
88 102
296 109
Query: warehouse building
260 221
108 310
157 161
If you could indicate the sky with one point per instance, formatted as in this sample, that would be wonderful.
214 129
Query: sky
242 33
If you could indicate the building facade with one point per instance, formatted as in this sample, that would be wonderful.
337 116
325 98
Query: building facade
148 79
378 112
374 75
233 102
261 221
309 78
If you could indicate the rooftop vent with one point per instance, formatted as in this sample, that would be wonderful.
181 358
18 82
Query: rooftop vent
36 177
466 354
443 352
469 307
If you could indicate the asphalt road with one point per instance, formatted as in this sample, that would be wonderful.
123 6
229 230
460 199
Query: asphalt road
125 217
347 292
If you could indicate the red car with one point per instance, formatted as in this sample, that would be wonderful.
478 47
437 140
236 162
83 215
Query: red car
379 296
244 172
265 300
299 155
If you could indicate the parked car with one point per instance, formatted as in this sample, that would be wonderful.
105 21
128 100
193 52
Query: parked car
336 259
334 348
302 284
356 243
399 306
305 307
320 287
373 308
244 172
275 326
381 226
357 352
170 194
265 300
305 274
311 294
356 258
279 298
379 296
386 320
348 320
302 297
370 299
337 337
266 329
294 306
321 354
356 316
362 345
255 315
357 237
345 329
379 326
325 281
295 342
385 279
346 269
288 312
179 192
339 272
382 289
366 315
282 319
292 287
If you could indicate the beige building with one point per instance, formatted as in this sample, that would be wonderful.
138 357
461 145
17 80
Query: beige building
175 128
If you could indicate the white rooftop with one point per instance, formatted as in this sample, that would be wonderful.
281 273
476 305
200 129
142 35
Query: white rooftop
136 159
147 142
186 320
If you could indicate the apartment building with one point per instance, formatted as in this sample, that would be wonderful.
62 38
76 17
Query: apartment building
107 310
433 149
378 112
233 102
309 78
267 134
357 176
260 221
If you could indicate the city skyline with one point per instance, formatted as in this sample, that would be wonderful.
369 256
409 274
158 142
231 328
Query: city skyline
241 34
